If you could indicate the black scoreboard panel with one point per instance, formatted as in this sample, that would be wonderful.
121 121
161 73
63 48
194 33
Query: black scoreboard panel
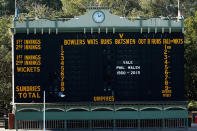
78 67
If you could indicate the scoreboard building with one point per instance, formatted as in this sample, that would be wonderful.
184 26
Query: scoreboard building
99 71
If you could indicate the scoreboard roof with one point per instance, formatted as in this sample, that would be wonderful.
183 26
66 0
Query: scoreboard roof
111 23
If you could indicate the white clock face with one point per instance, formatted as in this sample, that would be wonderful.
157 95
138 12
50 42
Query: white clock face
98 16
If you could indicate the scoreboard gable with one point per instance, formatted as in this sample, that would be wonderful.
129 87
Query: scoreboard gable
98 67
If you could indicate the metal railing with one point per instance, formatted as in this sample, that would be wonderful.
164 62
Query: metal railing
54 124
103 124
126 123
77 124
175 123
2 123
152 123
29 124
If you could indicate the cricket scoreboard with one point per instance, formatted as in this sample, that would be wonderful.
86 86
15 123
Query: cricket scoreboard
98 67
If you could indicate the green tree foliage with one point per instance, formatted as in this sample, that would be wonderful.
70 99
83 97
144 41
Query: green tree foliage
159 7
40 8
192 106
5 63
151 8
54 4
41 11
76 7
6 7
189 7
191 57
122 7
